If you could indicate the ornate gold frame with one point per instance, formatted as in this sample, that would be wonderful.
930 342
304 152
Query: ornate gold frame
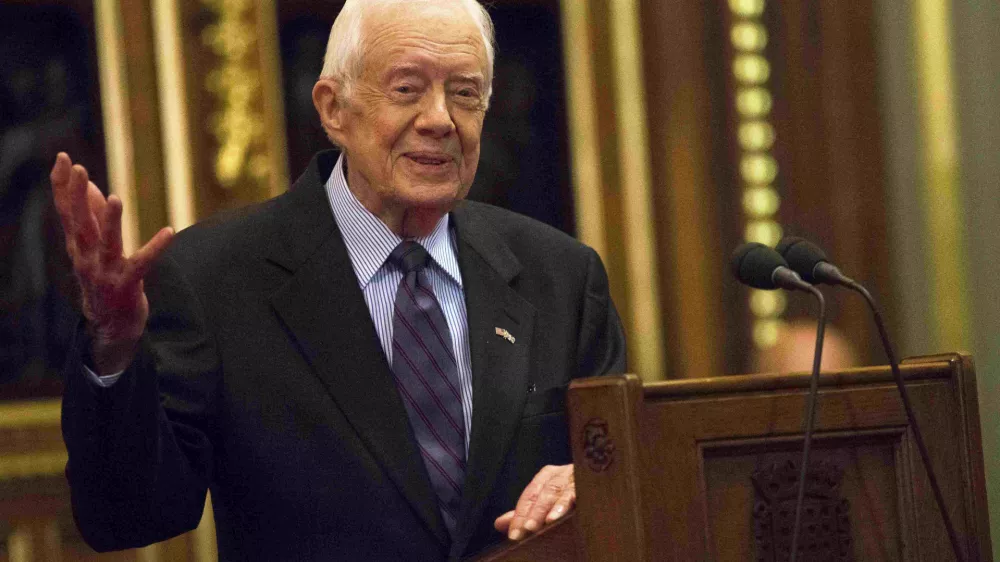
636 287
115 106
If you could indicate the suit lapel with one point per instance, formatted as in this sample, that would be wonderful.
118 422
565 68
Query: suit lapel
499 366
325 313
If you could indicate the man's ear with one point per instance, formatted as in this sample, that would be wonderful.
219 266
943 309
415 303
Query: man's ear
331 107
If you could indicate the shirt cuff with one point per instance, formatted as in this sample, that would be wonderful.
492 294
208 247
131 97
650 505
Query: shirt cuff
103 381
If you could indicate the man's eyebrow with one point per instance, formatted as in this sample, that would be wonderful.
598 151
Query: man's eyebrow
398 69
407 69
476 77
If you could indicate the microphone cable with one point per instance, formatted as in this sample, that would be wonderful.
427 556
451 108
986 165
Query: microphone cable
810 419
761 267
810 262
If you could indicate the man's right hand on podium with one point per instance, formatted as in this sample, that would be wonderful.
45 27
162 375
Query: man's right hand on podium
114 302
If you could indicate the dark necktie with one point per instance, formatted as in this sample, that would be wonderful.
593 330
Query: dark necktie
426 373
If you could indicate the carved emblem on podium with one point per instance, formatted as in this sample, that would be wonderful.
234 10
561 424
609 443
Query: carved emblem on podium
825 533
598 447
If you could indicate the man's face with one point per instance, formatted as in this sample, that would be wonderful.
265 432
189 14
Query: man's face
412 125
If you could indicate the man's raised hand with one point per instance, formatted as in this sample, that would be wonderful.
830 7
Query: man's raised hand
114 302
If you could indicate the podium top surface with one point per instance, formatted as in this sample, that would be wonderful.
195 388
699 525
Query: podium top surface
942 366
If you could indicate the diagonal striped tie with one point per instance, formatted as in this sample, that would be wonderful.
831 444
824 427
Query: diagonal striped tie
426 373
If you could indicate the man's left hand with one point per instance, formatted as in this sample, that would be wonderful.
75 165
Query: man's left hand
549 496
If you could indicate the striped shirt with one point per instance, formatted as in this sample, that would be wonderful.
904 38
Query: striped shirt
369 243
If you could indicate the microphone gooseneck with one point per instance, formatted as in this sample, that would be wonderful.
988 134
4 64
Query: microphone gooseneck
810 418
811 263
925 457
761 267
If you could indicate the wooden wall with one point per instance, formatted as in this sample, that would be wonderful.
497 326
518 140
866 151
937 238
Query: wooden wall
815 88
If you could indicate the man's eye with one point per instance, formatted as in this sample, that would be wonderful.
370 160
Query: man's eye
404 89
468 93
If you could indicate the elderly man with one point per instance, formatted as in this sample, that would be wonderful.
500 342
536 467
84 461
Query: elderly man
365 368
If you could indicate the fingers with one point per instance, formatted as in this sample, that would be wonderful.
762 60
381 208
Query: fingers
60 180
112 289
562 506
549 495
96 200
145 256
502 523
565 502
527 501
60 168
555 490
111 231
93 225
84 222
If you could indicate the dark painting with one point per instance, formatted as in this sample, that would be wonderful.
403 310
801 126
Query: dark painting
49 102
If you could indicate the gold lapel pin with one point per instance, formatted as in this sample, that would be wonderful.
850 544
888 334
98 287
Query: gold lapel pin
505 334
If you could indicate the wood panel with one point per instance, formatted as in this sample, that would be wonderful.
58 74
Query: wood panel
561 541
765 422
700 443
822 62
829 147
875 486
693 196
705 469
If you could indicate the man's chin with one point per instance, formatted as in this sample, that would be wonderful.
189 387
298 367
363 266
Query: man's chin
432 194
429 207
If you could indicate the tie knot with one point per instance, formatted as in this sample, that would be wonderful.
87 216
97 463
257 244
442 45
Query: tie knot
409 256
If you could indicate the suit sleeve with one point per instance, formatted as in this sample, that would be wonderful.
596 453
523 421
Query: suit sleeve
140 452
601 348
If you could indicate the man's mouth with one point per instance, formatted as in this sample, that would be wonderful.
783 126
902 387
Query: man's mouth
429 159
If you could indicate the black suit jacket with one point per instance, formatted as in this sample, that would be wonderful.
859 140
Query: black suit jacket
260 376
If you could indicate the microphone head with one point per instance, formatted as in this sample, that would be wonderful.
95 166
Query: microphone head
754 264
802 256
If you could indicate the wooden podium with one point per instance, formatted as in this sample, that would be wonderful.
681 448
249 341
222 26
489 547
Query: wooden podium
706 470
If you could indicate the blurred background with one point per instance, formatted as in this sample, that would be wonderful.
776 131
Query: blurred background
664 133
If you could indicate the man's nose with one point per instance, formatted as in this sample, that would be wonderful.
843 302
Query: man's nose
435 117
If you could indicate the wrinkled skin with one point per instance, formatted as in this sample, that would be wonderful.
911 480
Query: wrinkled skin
114 303
412 124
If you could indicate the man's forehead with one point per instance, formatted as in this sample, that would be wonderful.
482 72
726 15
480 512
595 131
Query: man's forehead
413 43
452 12
448 23
428 7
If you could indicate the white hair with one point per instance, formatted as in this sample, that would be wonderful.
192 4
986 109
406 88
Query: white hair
343 61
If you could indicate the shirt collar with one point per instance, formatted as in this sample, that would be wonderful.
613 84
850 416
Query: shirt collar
369 241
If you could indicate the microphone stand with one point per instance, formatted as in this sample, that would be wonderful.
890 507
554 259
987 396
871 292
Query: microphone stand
810 418
924 456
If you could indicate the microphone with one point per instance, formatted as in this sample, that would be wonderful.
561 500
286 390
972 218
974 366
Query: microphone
811 263
761 267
